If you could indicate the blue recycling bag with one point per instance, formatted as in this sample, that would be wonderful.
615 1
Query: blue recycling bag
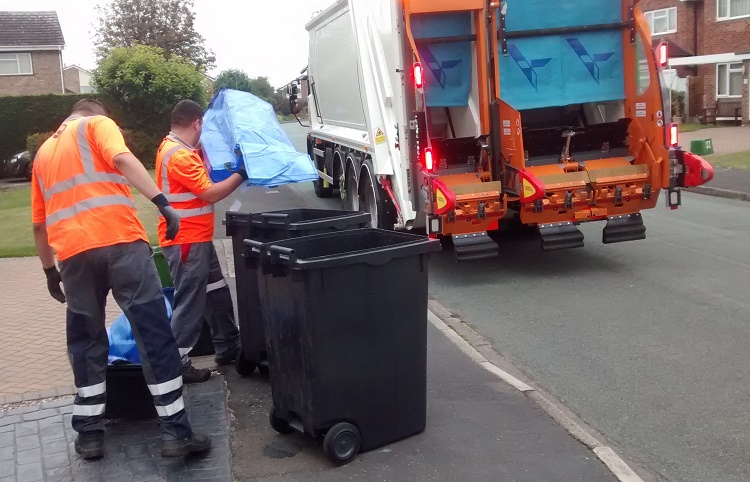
122 346
241 129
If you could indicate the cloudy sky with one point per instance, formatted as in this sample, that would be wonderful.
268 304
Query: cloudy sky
261 37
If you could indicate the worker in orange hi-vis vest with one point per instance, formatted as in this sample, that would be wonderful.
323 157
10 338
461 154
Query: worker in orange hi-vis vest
201 292
83 211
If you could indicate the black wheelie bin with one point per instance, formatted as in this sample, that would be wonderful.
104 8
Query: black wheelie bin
266 227
346 321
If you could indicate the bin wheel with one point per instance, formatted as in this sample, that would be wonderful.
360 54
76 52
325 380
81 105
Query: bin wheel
264 370
342 443
244 366
279 424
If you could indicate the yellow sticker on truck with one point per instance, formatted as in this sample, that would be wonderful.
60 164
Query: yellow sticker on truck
440 199
379 136
528 189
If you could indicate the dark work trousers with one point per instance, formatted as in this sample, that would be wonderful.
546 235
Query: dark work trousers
200 293
129 271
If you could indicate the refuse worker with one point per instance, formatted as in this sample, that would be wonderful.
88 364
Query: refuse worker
83 211
201 292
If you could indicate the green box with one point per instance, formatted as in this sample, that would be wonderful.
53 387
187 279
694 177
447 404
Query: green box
163 268
702 147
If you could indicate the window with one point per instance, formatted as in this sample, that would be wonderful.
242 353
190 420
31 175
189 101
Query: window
727 9
15 64
729 80
663 21
643 70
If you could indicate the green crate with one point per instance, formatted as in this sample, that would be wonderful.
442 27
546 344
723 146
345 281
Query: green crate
163 268
702 147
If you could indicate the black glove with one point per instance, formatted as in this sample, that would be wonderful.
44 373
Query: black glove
170 215
53 284
240 170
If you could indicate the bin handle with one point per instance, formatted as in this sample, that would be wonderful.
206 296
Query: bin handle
268 216
279 252
255 246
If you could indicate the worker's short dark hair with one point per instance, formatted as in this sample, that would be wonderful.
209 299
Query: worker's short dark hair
89 107
185 113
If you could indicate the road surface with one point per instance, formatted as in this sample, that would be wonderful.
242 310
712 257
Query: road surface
648 341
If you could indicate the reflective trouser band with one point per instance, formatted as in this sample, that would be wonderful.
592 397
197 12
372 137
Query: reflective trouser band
88 204
166 387
88 410
171 409
184 351
189 213
82 179
215 286
92 390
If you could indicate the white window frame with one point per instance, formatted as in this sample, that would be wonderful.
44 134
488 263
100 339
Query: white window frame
730 71
662 11
18 63
729 12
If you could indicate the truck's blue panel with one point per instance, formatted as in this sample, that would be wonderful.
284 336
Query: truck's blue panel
447 66
559 70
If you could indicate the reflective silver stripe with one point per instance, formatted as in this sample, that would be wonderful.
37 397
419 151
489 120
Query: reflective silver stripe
215 286
92 390
182 197
164 174
88 410
88 204
189 213
184 351
85 149
166 387
171 409
81 179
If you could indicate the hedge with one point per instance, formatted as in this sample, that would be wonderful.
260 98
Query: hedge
141 144
24 115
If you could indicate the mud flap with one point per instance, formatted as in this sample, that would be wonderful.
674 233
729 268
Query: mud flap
475 246
624 228
558 236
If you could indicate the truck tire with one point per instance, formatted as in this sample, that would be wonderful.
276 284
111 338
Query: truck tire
374 199
350 195
321 190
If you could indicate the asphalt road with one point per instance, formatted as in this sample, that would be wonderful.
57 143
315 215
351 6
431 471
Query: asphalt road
647 341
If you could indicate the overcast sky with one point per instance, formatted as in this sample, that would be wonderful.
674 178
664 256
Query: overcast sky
261 37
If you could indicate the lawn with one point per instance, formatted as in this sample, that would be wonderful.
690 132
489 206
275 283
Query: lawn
738 160
16 238
692 127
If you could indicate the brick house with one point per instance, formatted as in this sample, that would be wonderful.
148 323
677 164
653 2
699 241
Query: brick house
31 45
709 43
77 80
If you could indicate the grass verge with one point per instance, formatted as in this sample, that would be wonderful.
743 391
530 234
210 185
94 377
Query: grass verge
738 160
16 238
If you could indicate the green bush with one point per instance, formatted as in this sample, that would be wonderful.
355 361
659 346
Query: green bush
678 103
142 144
24 115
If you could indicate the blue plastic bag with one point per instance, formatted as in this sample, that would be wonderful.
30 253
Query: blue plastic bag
122 346
241 129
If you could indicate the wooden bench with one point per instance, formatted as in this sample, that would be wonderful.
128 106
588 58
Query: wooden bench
723 110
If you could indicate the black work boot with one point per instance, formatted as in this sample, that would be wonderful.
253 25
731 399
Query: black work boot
194 444
195 375
227 358
90 445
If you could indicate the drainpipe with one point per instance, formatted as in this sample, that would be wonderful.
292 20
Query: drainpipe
62 75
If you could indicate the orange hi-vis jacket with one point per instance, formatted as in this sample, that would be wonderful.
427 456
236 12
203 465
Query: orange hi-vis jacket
77 191
182 176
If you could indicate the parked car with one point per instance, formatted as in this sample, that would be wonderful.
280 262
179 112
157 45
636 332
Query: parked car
19 165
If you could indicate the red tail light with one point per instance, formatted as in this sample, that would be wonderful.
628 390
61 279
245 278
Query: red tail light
428 161
674 133
418 77
662 54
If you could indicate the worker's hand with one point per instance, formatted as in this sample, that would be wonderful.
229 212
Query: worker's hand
53 283
239 170
170 215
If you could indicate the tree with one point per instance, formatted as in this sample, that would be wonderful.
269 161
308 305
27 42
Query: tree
166 24
233 79
145 86
261 87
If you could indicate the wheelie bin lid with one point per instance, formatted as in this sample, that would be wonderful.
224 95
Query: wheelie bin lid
367 246
309 219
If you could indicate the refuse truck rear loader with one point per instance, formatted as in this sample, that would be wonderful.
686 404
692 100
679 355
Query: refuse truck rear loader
456 116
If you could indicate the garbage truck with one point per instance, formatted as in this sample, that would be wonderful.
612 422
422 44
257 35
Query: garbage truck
457 116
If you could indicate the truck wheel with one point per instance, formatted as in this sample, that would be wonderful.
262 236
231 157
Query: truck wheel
350 199
374 199
342 443
323 189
